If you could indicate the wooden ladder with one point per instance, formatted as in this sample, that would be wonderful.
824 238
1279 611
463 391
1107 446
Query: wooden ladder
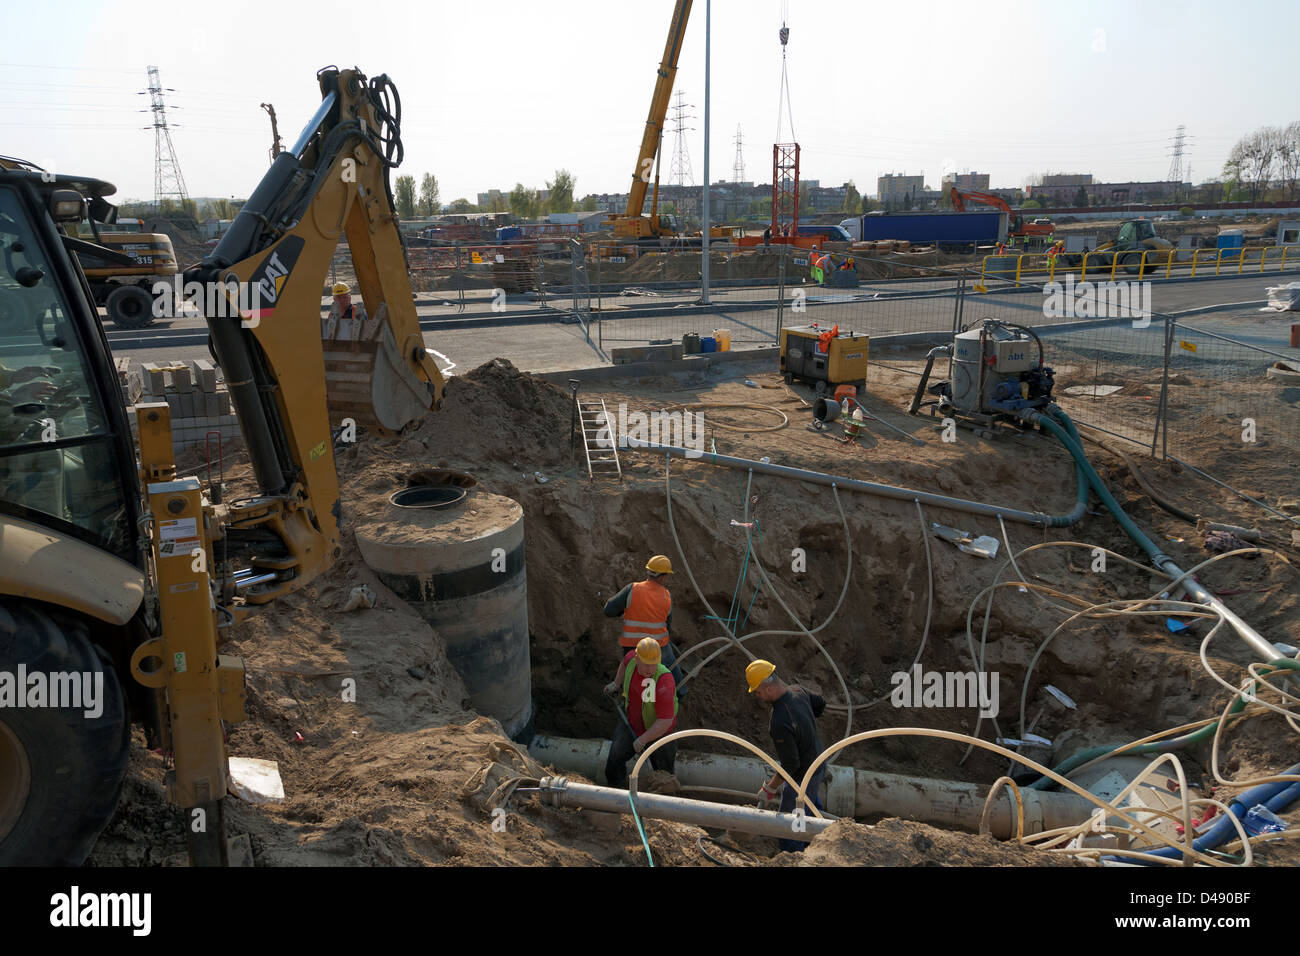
593 419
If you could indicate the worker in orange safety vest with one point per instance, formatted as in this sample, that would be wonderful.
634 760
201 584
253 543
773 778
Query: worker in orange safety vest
646 608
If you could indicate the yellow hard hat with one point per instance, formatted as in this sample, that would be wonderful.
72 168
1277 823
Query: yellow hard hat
757 672
659 564
647 650
341 288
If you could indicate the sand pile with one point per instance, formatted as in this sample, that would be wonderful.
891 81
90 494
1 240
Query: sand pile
497 414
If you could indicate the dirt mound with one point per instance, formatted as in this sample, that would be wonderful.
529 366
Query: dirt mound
498 414
903 843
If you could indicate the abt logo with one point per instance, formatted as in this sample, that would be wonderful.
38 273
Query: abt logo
1098 300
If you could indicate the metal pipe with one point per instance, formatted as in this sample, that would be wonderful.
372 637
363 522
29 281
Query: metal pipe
561 792
1036 518
313 124
1067 435
248 582
849 792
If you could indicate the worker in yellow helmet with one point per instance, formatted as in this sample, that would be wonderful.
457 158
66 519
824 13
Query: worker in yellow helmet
646 608
346 318
793 727
648 706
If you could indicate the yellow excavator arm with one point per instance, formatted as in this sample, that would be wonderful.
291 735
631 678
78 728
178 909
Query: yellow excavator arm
272 265
261 290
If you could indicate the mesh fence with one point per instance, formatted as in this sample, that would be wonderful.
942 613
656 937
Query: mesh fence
1219 394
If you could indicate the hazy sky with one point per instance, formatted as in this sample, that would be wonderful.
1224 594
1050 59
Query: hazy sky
510 90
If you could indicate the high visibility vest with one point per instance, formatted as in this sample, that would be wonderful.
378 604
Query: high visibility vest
648 714
646 614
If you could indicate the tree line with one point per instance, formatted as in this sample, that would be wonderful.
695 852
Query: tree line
522 202
1265 162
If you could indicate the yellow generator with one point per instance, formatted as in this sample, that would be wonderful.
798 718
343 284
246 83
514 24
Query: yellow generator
824 358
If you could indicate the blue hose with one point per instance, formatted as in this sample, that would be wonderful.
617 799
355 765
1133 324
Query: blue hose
1275 796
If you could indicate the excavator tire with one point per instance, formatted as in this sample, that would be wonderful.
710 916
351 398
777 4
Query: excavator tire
130 307
61 772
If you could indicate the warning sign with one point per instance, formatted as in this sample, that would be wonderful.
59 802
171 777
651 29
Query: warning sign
178 536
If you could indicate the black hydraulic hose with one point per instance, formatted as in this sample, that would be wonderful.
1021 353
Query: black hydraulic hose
1145 485
925 376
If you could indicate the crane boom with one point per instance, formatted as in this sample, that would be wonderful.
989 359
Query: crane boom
654 125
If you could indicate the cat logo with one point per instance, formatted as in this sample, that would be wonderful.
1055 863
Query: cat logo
267 282
851 356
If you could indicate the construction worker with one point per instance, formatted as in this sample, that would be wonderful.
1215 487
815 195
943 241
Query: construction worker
345 318
793 727
648 699
646 608
767 238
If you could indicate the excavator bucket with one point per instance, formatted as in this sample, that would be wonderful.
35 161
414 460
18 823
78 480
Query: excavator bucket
366 378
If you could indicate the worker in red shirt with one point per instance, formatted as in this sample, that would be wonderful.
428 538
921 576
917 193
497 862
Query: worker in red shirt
648 701
647 610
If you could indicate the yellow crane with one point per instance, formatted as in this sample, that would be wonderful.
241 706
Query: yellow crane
632 224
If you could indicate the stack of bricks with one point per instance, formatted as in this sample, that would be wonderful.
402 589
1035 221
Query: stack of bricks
129 384
200 405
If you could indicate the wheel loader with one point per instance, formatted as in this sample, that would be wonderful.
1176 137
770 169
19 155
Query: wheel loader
124 281
121 577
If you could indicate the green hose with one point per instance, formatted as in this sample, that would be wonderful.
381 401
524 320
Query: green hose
1069 437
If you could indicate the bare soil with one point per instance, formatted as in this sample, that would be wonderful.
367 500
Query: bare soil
379 780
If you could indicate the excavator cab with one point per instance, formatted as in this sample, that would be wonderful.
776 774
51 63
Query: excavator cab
72 579
66 459
1136 234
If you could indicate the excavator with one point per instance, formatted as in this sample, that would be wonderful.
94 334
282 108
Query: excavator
122 577
1016 225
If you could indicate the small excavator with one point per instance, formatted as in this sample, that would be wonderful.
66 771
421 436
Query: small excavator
119 568
1016 225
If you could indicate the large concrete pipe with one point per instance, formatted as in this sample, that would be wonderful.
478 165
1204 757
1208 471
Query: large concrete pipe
462 568
852 793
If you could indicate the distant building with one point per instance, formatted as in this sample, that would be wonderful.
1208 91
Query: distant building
213 228
486 200
585 221
1104 194
891 188
1068 179
967 182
